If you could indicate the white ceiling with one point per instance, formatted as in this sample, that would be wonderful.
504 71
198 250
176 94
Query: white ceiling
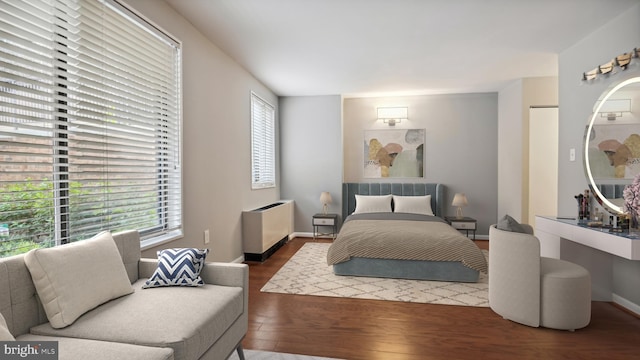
401 47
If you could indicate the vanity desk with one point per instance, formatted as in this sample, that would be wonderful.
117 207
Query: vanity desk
591 247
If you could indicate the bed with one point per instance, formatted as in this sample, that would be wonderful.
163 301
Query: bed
396 230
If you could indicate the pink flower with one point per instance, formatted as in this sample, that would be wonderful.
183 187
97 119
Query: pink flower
631 196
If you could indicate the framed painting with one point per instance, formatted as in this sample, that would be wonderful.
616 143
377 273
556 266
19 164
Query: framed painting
614 151
394 153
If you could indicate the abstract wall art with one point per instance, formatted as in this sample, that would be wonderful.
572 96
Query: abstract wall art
396 153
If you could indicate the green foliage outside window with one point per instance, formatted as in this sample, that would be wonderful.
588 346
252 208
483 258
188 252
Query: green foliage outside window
27 214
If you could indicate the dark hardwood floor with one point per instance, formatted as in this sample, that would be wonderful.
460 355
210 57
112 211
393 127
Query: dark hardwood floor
374 329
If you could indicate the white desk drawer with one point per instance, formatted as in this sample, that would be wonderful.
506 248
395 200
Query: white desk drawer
464 225
323 221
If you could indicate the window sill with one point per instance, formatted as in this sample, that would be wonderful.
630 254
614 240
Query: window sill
161 239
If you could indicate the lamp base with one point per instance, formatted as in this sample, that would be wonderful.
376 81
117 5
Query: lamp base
324 209
459 213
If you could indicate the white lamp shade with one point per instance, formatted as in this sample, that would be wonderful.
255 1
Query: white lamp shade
325 198
393 113
460 200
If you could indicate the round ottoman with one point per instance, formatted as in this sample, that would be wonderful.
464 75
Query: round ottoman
565 295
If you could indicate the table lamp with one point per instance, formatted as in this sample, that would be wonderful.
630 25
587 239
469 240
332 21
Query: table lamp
459 200
325 199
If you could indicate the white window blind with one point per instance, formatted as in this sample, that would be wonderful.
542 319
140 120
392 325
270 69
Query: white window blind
263 165
89 124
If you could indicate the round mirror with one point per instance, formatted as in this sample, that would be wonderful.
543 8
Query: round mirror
612 144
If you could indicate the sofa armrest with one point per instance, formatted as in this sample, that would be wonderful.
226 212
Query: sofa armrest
226 274
146 267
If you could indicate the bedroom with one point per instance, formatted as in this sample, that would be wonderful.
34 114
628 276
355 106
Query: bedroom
325 119
216 101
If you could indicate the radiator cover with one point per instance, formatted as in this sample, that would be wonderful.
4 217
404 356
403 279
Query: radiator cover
265 229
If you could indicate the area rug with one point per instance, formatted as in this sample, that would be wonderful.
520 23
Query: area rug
307 273
267 355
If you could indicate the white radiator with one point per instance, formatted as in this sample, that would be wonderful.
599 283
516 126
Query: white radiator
265 229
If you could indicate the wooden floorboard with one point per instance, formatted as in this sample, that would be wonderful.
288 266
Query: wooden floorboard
375 329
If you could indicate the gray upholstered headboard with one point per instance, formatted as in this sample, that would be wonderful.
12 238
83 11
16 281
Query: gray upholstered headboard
349 190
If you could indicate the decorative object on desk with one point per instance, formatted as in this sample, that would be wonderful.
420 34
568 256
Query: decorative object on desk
584 205
325 200
459 200
631 196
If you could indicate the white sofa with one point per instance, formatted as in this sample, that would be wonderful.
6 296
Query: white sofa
205 322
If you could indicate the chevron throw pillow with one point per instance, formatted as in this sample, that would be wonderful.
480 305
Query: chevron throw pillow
178 267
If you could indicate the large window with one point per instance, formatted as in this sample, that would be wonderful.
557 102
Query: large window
263 166
89 124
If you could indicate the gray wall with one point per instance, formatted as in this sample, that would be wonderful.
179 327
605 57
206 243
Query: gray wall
460 147
576 104
311 154
216 139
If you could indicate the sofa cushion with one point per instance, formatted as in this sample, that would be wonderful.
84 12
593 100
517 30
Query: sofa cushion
187 319
82 349
5 335
74 278
507 223
178 267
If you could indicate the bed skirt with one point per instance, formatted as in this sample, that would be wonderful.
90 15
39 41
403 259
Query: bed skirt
407 269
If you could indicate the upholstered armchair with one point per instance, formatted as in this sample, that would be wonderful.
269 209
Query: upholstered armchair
533 290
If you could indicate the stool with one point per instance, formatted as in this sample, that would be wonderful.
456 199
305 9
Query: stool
565 295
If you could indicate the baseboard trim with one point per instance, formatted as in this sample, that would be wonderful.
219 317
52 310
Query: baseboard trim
628 305
309 235
265 255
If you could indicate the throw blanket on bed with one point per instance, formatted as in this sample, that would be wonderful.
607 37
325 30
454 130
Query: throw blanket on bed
404 239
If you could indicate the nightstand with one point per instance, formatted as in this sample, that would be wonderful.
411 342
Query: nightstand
465 223
329 220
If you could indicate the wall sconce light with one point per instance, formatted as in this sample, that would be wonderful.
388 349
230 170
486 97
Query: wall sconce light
393 115
621 62
459 200
613 109
325 200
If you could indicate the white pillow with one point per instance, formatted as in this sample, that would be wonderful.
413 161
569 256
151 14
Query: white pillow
74 278
372 203
413 204
5 335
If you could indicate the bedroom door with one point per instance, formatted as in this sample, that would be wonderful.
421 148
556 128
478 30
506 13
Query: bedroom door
543 162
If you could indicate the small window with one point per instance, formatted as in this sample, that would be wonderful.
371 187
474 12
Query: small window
263 173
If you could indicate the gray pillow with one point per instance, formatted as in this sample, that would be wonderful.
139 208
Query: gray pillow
507 223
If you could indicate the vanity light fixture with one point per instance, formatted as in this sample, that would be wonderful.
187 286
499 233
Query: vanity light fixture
613 108
393 115
620 62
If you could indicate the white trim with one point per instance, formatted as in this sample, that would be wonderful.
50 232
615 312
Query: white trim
631 306
160 239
